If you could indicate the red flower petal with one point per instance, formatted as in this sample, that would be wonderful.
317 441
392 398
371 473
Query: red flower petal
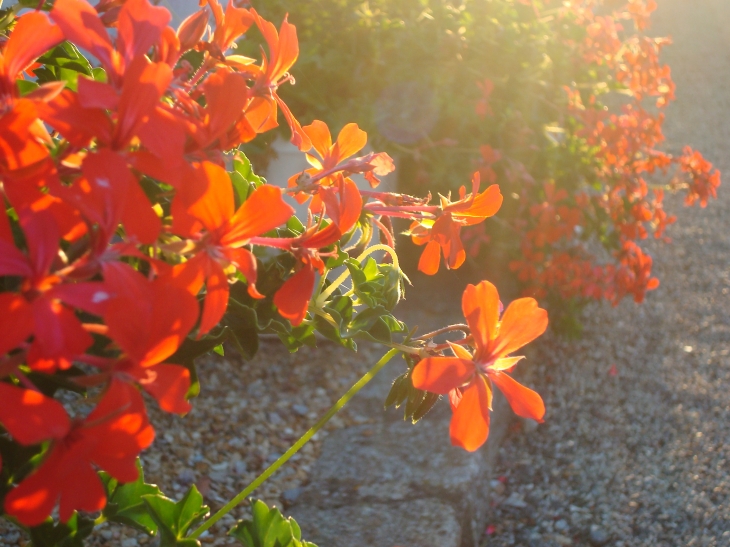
169 385
441 374
469 427
319 135
210 197
139 26
16 321
31 417
522 322
351 140
245 261
523 400
33 35
82 26
480 304
264 210
430 258
216 298
293 297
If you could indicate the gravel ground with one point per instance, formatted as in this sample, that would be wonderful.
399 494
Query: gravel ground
641 458
247 414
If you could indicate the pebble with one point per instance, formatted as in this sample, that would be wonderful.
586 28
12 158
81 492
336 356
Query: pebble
300 410
291 495
515 500
598 537
561 525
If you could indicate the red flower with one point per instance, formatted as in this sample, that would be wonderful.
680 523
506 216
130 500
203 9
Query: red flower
283 52
443 235
206 201
149 320
350 140
58 333
139 27
110 438
229 26
468 378
293 297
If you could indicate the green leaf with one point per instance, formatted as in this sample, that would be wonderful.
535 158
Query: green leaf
242 166
426 405
64 62
125 503
58 534
268 528
414 400
26 86
241 188
174 520
397 394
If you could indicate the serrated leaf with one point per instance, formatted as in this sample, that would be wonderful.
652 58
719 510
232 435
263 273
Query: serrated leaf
26 86
58 534
241 188
174 519
268 528
125 503
242 166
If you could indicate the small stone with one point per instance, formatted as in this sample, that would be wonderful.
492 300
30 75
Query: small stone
515 500
186 477
275 419
497 487
291 495
560 539
239 467
598 537
561 525
300 410
129 542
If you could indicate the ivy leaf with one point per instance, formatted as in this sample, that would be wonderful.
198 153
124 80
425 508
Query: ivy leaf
64 62
242 166
174 520
125 503
59 534
268 528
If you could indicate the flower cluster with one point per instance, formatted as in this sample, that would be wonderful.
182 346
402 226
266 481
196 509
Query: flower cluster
122 233
614 198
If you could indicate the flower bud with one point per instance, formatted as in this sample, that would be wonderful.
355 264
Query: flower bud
191 30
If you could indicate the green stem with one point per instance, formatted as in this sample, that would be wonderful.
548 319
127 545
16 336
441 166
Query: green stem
297 445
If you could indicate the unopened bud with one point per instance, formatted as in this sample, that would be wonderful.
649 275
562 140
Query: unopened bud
191 30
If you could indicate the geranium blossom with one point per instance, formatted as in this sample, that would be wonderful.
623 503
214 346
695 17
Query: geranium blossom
468 378
443 234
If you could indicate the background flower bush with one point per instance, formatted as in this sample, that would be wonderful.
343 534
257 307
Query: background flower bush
561 103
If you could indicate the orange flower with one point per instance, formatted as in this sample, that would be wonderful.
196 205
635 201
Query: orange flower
204 210
283 52
443 234
468 379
